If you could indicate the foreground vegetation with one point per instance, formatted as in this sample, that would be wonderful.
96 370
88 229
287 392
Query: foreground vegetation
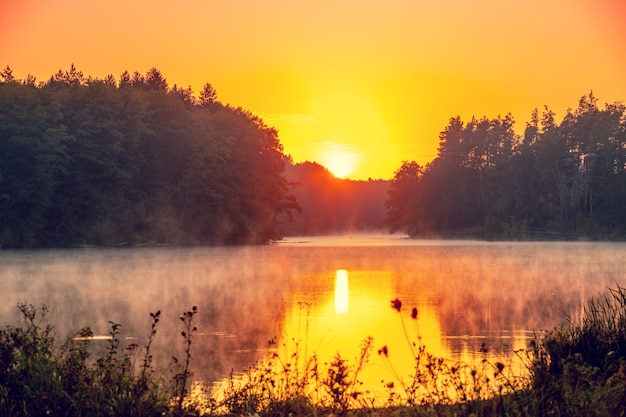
578 369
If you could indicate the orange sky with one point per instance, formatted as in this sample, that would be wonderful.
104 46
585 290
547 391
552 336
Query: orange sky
366 82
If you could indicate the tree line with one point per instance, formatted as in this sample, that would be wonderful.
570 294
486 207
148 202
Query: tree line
131 161
330 205
556 180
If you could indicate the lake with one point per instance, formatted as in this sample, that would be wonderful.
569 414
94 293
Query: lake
323 295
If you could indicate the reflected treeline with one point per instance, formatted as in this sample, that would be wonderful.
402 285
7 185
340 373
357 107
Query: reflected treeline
557 180
130 161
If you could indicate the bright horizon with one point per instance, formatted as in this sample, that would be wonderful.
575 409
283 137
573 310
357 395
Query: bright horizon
358 86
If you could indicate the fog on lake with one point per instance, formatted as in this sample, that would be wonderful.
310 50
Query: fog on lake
326 295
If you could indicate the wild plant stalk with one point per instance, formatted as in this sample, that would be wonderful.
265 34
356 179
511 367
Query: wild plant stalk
342 381
439 382
362 360
188 331
301 305
397 305
35 339
146 365
108 362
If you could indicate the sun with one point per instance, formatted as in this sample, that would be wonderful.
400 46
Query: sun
340 162
348 127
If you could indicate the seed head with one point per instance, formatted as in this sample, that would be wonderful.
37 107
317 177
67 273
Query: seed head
500 366
384 351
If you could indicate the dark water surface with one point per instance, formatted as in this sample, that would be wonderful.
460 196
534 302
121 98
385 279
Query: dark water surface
468 295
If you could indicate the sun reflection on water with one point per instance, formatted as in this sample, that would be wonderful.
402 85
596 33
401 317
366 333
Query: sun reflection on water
332 329
342 293
334 314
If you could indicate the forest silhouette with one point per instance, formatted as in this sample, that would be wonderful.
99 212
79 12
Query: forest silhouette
87 161
555 181
95 161
105 162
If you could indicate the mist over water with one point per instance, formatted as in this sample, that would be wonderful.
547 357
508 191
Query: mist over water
467 294
238 296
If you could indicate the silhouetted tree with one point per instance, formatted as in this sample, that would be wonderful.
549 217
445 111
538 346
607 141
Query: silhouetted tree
208 95
155 81
7 75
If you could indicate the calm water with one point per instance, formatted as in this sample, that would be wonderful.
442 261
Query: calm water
468 295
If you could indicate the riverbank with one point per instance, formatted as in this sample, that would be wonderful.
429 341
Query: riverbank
578 369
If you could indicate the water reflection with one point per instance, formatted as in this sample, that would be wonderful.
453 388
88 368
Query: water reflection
470 297
318 322
314 325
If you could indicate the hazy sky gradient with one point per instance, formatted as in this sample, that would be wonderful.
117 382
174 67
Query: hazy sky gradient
369 81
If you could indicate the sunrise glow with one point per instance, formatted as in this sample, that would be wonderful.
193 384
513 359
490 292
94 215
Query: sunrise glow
341 163
378 80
